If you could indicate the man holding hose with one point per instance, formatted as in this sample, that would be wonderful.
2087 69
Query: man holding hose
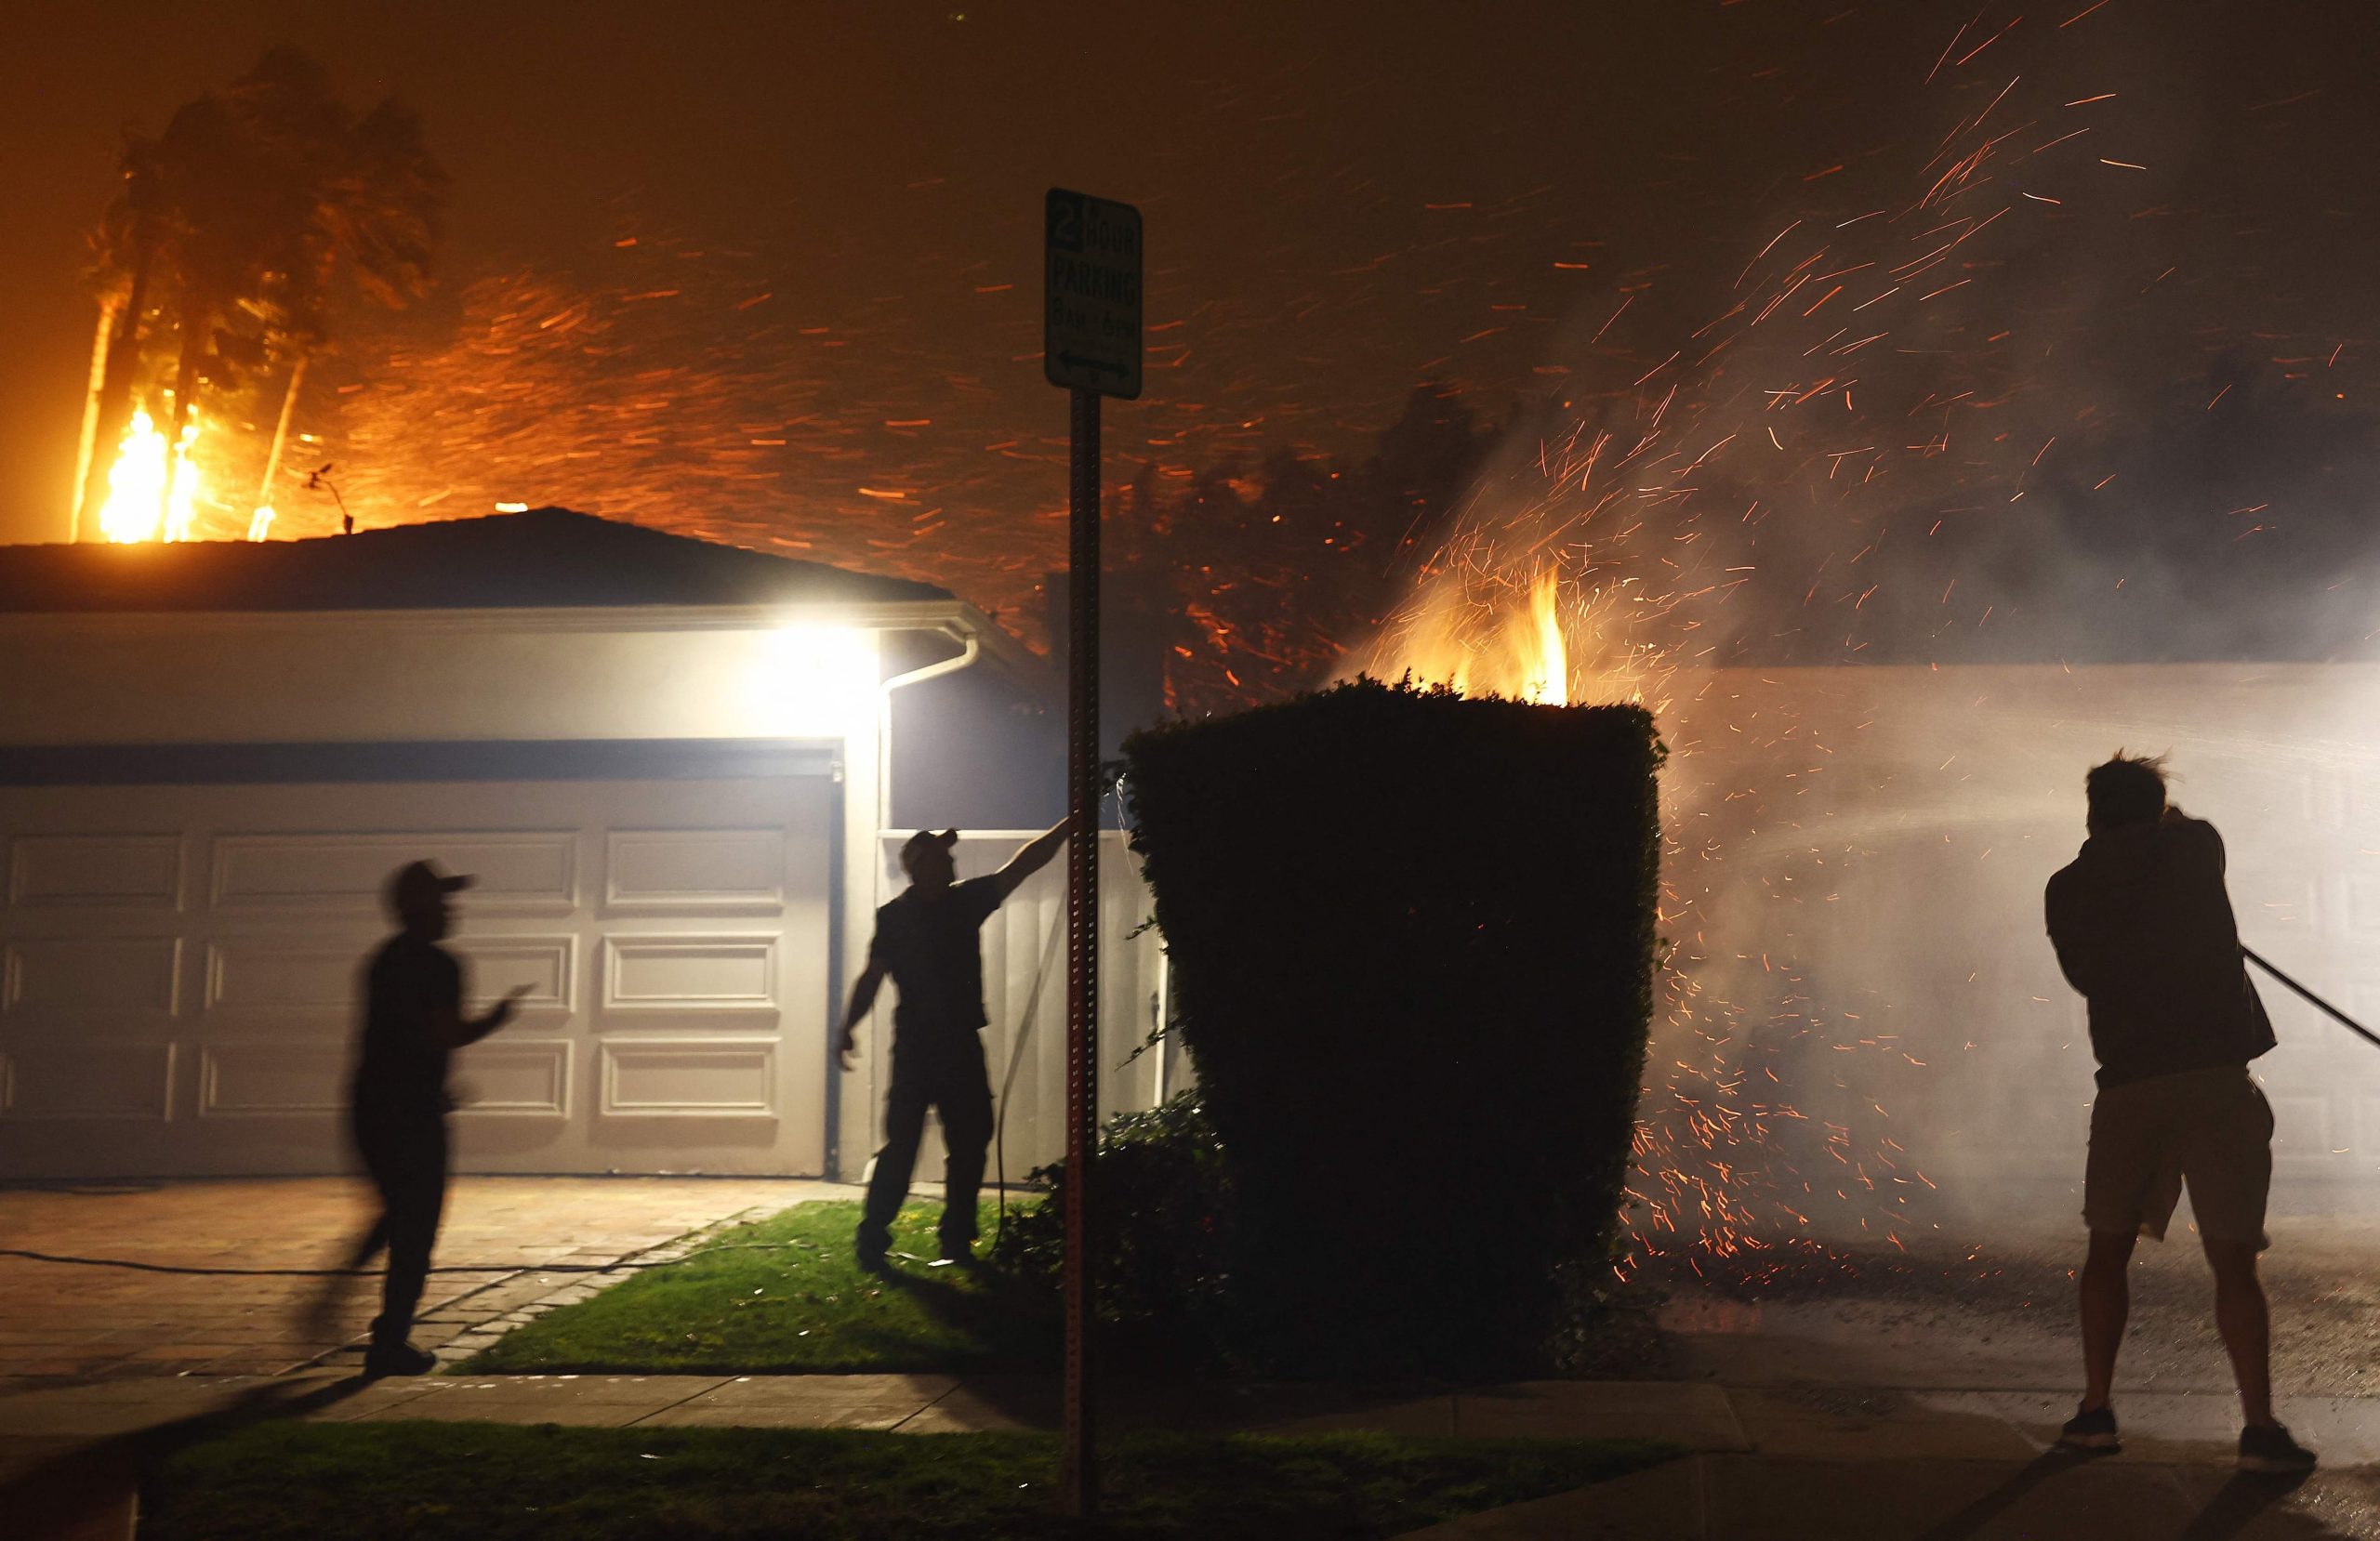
2144 929
926 944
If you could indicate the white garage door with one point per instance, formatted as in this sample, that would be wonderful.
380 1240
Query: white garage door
181 960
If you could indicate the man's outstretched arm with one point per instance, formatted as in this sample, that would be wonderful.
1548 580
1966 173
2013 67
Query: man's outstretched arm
453 1030
863 996
1032 859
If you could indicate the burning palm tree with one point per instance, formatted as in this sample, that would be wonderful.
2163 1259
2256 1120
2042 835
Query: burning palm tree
256 212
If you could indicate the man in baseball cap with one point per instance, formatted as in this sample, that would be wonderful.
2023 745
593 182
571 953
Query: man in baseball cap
926 943
413 1023
420 885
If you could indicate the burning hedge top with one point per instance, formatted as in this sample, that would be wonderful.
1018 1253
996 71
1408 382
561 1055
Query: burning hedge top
546 557
1412 937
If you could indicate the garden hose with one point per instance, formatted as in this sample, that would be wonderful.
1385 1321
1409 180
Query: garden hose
1016 1058
2325 1008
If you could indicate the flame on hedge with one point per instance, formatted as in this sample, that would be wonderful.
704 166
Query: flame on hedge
1546 675
1533 638
1493 645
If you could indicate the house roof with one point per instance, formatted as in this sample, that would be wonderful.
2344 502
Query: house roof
542 559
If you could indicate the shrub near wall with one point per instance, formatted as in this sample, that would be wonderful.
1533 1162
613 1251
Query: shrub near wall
1161 1245
1412 942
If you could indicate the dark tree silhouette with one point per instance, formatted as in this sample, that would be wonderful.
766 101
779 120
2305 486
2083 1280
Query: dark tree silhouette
1252 573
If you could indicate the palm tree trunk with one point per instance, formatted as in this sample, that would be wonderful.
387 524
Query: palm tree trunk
281 432
108 308
196 317
113 409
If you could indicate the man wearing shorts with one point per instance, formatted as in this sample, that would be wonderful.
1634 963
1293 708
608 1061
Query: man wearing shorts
2142 928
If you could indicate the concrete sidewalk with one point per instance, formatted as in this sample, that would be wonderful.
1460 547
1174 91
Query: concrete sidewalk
1789 1464
1816 1424
66 1321
1741 1498
1694 1416
1830 1464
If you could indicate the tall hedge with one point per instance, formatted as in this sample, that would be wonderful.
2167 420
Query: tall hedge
1412 941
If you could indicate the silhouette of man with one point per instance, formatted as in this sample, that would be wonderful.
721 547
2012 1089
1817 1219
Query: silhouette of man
926 941
413 1023
2144 929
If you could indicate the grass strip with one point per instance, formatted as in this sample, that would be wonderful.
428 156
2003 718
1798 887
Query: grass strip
426 1480
802 1307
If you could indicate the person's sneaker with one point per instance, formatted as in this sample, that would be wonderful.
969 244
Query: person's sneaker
961 1255
872 1260
2269 1448
397 1359
2092 1430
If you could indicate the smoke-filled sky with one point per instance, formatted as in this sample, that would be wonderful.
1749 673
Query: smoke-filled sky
771 272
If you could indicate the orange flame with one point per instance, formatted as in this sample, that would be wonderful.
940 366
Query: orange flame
1545 676
1471 632
152 488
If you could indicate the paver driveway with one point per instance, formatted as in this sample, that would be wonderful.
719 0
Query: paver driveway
74 1320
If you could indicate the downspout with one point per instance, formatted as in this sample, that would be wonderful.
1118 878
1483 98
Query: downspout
970 649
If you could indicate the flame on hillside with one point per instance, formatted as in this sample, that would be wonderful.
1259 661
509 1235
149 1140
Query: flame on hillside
152 488
155 489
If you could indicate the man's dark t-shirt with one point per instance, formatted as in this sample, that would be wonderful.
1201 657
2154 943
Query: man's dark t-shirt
928 943
2143 928
404 1065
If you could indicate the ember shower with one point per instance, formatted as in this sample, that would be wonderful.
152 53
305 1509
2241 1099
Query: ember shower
1888 441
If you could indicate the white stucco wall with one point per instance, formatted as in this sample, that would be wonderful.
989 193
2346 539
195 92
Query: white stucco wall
1854 884
367 676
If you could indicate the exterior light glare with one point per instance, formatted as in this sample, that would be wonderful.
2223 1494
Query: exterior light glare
810 681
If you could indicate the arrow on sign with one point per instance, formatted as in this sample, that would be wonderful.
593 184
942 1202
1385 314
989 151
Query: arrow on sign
1075 360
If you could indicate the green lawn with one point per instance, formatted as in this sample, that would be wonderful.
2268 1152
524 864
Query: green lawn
424 1482
802 1305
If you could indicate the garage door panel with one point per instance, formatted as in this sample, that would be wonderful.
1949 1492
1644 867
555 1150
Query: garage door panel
546 966
682 1078
86 1079
127 871
342 871
203 945
273 1077
514 1077
691 974
276 974
117 978
704 870
694 1144
282 974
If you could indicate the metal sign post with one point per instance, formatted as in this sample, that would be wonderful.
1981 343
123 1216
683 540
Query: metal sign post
1091 346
